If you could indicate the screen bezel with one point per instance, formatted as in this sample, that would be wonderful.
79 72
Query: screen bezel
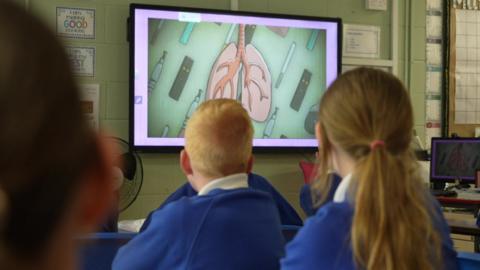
130 39
433 144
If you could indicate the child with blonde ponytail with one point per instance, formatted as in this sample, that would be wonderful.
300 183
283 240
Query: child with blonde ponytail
381 217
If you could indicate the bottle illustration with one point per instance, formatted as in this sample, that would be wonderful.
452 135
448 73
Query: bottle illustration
165 131
191 109
157 70
267 132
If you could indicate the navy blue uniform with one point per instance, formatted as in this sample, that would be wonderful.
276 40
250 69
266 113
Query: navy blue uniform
225 229
323 243
306 196
288 215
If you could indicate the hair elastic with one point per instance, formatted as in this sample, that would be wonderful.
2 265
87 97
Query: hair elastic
376 143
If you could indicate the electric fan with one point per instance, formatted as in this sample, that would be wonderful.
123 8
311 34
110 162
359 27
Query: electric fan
129 176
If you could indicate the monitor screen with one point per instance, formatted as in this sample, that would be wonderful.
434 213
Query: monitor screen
455 158
277 66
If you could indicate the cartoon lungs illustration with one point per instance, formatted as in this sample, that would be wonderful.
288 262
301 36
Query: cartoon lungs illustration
223 79
256 82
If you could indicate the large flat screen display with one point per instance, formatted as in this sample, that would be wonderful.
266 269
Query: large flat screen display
277 66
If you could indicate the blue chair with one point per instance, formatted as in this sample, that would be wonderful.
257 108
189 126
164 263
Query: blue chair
468 261
289 232
98 250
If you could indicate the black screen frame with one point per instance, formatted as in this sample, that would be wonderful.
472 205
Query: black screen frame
434 140
176 149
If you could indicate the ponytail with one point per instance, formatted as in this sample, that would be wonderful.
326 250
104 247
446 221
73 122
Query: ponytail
392 226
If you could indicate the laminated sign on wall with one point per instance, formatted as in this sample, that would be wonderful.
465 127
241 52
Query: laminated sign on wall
90 96
82 60
76 23
361 41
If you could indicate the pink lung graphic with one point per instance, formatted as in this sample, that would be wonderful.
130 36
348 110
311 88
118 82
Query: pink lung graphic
219 76
256 78
256 95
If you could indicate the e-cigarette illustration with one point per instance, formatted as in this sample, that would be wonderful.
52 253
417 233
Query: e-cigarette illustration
267 132
187 32
165 131
311 119
230 34
249 31
158 26
286 62
279 30
191 110
312 40
181 78
155 76
301 90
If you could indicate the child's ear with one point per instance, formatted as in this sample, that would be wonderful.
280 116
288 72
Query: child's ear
185 163
250 164
97 192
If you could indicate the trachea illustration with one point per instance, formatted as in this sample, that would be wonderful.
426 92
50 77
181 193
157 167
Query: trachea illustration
191 110
155 76
267 132
286 62
256 81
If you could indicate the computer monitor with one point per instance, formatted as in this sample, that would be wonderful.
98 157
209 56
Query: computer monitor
454 159
277 66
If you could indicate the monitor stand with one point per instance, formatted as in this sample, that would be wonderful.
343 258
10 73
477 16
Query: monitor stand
437 185
438 189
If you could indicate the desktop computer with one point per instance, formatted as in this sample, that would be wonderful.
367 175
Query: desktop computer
454 160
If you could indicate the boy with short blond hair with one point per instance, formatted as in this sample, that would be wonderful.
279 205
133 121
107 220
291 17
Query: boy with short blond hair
218 139
228 225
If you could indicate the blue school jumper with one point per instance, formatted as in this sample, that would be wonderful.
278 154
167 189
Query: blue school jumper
306 201
225 229
323 242
288 215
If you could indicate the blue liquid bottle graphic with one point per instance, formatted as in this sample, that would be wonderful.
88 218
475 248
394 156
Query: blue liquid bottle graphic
191 109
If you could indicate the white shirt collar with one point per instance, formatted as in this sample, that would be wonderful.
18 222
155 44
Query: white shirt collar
342 189
239 180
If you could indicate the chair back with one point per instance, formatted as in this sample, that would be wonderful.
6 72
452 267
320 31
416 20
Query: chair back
468 260
98 250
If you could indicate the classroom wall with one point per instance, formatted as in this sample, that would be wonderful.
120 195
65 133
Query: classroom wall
162 173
